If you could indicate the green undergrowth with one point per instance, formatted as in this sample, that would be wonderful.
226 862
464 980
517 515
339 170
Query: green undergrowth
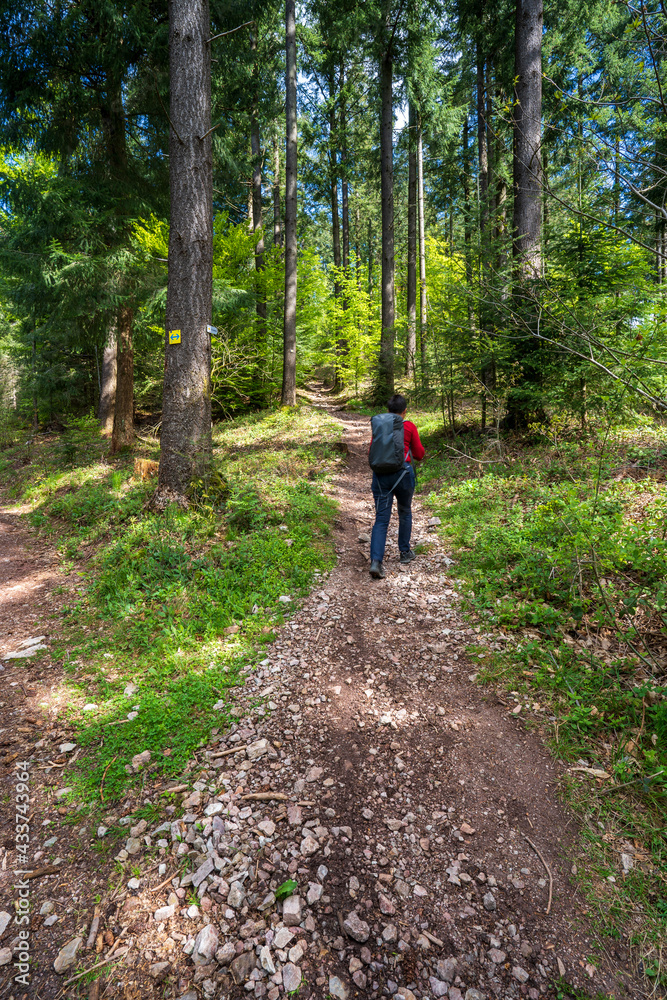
561 549
173 609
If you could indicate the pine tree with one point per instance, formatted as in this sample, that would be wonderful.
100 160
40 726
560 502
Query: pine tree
186 410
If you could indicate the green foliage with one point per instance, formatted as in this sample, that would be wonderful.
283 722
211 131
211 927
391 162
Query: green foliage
287 888
181 603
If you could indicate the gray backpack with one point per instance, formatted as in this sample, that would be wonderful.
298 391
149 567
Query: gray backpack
387 451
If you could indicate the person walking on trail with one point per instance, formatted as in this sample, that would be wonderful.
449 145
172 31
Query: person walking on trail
394 445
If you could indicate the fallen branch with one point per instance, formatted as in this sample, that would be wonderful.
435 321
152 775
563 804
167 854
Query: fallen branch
41 872
266 797
94 927
548 870
226 753
433 939
166 882
99 965
626 784
104 776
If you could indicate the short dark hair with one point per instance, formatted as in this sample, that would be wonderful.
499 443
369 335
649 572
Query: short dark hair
397 404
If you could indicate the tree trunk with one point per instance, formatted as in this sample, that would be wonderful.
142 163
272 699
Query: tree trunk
422 256
186 407
412 245
256 150
385 374
289 337
343 164
357 245
108 384
123 420
333 145
483 174
527 139
119 417
482 146
277 240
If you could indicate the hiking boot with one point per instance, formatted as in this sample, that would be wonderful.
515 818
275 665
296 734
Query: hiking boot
407 557
377 570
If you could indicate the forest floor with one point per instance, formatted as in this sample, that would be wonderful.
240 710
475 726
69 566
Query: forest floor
421 821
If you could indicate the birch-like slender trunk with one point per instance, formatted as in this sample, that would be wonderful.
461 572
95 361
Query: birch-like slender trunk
423 306
107 405
527 140
412 245
277 238
385 371
122 435
289 329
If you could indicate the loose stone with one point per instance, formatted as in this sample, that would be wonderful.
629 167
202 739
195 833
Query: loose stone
356 928
67 955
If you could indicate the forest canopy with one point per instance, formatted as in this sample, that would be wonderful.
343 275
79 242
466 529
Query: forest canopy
480 199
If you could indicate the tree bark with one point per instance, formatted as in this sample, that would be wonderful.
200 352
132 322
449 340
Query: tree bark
343 164
411 347
385 374
289 329
120 418
482 146
277 239
186 408
256 151
123 421
423 314
527 140
335 217
107 405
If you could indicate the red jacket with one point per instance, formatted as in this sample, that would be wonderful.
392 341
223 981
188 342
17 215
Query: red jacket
412 442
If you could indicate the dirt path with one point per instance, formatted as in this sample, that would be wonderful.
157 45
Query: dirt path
399 796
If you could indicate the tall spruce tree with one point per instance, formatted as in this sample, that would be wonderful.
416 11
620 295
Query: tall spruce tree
186 409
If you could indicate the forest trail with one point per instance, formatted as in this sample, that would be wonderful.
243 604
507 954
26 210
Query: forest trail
399 796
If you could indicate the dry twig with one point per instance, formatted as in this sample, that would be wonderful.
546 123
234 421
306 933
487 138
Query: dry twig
548 870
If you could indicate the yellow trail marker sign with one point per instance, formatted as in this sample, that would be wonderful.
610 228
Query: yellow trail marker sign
174 336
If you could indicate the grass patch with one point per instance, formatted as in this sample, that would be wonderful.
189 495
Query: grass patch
561 549
173 610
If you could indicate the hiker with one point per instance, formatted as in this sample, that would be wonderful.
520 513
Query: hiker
394 444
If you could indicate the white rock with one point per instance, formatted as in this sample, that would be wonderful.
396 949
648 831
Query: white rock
141 759
90 707
66 747
213 809
5 956
337 988
284 599
257 749
206 945
282 938
22 654
309 846
5 918
31 642
315 891
266 960
67 955
292 911
164 913
291 977
236 896
267 827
